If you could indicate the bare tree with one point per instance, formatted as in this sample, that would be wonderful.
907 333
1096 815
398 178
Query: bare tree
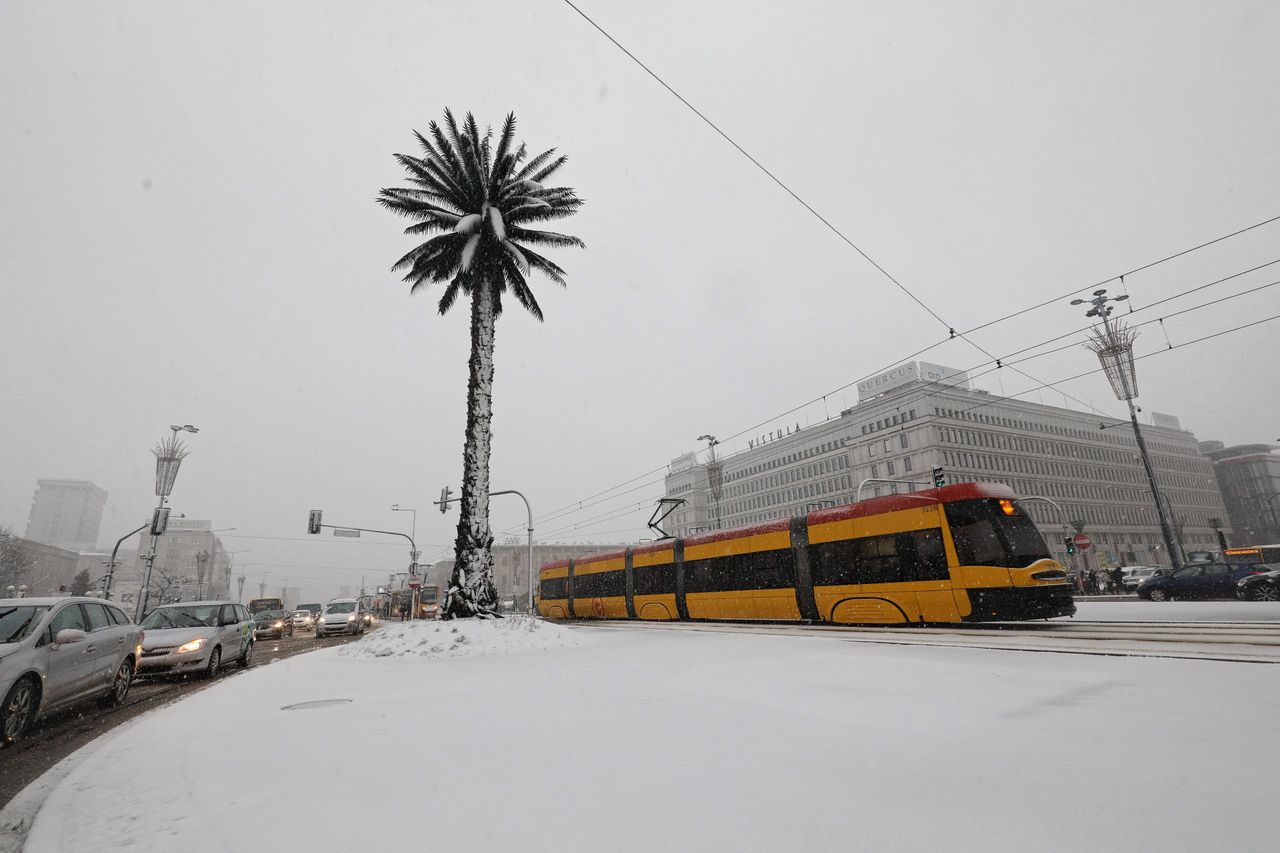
165 586
15 559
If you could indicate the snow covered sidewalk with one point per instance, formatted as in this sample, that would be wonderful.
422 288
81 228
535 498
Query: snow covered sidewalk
531 737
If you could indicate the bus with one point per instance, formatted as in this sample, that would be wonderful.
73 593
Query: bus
961 553
1253 554
258 605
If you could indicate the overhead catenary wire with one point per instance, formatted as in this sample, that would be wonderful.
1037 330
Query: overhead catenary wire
913 395
569 509
952 333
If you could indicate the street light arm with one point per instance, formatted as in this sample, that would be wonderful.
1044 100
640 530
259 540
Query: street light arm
111 567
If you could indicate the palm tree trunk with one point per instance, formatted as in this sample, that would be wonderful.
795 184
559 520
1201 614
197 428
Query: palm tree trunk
471 591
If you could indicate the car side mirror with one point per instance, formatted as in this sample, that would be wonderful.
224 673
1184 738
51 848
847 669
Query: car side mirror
70 635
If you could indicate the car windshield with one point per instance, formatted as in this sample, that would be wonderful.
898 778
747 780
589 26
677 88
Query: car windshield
302 613
342 607
18 622
183 616
269 616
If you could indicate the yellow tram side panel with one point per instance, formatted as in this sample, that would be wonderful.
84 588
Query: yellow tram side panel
553 608
890 603
658 608
613 607
773 604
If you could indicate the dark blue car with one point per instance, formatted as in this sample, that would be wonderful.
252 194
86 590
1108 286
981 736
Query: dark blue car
1201 580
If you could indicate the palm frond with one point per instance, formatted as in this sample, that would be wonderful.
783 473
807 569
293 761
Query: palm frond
549 169
535 164
543 238
545 266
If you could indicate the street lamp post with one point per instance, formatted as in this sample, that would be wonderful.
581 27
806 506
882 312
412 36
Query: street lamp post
111 567
1114 348
713 474
169 455
413 536
239 579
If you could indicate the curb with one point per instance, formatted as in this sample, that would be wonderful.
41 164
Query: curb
19 814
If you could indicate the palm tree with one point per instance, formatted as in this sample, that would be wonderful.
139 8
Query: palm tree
478 199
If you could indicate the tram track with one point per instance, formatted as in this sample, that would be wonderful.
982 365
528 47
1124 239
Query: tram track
1237 642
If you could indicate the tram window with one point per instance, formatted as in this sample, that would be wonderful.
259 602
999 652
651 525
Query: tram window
893 558
599 584
759 570
655 580
553 588
985 536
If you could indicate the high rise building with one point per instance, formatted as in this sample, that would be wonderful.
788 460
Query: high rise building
920 416
1249 476
66 514
190 562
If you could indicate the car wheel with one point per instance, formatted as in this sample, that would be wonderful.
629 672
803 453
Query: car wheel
19 710
243 660
1266 592
1159 595
215 662
119 685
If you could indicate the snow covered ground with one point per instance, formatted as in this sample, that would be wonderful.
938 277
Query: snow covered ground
621 740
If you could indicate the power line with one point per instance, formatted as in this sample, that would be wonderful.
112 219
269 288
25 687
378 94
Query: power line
952 333
1121 276
914 395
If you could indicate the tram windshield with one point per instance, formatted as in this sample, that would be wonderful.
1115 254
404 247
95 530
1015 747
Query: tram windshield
994 532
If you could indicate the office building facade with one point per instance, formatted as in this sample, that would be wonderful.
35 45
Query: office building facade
66 514
918 417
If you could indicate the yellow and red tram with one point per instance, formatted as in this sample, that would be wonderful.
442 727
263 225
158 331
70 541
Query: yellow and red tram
961 553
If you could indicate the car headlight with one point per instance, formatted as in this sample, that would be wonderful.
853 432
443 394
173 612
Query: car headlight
351 618
278 625
193 646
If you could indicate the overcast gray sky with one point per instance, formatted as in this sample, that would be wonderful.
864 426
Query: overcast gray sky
189 236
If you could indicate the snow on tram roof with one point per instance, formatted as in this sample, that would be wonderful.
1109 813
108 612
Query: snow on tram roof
862 509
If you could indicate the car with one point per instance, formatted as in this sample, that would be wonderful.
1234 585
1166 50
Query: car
341 616
195 637
315 608
303 619
272 623
1135 575
1202 580
1264 586
58 652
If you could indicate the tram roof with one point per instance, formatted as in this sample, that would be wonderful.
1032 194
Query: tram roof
861 509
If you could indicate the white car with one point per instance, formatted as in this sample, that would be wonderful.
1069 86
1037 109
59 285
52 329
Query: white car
341 616
56 652
1135 575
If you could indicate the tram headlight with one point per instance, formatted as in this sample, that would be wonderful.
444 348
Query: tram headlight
1008 506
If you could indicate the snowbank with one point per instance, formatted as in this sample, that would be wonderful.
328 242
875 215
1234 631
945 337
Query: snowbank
462 638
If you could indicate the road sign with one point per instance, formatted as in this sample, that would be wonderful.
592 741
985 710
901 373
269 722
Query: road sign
343 531
415 583
1083 542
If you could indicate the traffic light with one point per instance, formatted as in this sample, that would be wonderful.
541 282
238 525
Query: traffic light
313 521
1070 542
159 521
444 499
938 480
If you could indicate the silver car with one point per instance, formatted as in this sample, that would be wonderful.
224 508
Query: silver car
341 616
55 652
195 636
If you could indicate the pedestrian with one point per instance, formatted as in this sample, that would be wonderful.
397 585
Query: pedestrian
404 610
1117 580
